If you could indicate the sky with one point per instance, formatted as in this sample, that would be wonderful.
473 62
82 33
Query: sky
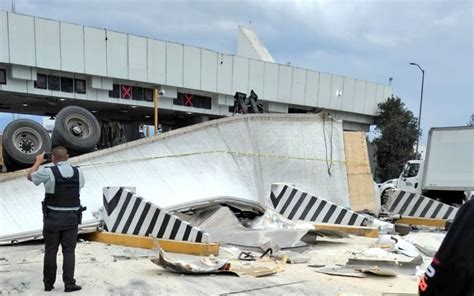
369 40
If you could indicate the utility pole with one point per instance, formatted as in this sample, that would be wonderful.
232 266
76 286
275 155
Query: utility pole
13 6
421 105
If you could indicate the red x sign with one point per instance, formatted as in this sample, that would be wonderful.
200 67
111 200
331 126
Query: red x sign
126 92
188 100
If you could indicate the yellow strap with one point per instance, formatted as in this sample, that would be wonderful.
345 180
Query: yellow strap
234 153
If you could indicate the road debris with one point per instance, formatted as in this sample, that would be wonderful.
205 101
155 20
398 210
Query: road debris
191 264
341 271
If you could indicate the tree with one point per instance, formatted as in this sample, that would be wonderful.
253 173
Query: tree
396 135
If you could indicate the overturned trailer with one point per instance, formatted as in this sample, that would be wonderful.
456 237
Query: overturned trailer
237 157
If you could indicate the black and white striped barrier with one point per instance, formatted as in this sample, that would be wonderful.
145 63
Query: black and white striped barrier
414 205
127 213
295 204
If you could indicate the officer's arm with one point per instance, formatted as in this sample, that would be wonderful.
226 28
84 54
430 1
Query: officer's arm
36 165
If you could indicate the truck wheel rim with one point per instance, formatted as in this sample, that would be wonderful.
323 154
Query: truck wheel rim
78 126
27 140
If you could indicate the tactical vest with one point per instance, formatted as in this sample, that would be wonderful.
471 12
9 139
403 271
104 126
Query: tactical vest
66 190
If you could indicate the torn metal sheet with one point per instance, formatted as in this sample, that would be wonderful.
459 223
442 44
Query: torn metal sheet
427 243
225 227
341 271
398 245
357 272
396 266
216 202
239 156
415 205
375 270
296 204
406 248
188 264
125 212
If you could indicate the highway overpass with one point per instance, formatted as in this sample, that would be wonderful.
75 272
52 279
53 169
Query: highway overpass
48 64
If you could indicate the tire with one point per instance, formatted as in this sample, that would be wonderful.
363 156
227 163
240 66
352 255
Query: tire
9 165
23 140
76 129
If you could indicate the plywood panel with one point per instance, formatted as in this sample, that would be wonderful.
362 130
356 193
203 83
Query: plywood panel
359 176
137 61
3 37
208 70
47 44
22 39
240 75
117 55
192 67
174 64
95 52
72 48
156 61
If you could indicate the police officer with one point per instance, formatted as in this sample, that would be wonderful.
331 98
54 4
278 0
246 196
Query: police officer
61 214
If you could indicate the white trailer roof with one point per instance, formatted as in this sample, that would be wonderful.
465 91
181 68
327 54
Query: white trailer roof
239 157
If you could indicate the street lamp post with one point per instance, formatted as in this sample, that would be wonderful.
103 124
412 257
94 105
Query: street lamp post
421 105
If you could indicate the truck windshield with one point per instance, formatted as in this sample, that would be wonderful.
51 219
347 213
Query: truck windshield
411 170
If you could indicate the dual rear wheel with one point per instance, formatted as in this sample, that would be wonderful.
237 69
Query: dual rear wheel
75 128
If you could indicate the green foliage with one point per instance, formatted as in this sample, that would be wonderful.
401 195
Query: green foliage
396 135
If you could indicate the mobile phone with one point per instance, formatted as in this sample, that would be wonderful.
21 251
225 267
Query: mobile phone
47 156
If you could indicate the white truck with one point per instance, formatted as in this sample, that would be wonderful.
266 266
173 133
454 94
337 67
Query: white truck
446 173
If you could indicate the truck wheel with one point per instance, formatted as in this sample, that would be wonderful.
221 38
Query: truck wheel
23 140
9 164
76 129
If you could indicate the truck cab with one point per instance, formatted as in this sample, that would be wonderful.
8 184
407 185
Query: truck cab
410 177
411 180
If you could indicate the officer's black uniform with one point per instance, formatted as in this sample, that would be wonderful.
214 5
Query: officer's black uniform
60 227
452 270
